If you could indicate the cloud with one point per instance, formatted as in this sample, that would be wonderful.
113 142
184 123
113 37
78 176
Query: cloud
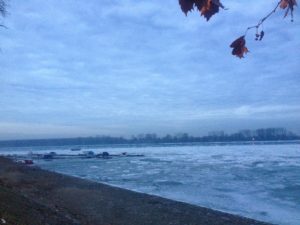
132 66
36 130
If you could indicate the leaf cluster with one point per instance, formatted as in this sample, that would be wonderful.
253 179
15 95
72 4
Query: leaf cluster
208 8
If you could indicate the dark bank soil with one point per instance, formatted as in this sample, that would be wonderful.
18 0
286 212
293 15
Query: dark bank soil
31 196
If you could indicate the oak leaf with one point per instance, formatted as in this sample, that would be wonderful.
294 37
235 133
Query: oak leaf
239 47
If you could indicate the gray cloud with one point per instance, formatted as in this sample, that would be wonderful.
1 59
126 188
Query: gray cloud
124 67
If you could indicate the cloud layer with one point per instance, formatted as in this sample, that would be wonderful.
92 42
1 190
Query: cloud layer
125 67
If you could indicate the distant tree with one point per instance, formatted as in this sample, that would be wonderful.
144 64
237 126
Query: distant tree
208 8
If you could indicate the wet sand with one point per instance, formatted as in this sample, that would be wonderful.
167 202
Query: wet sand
32 196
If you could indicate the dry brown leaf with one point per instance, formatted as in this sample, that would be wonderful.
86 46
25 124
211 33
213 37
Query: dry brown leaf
186 5
207 8
239 47
289 6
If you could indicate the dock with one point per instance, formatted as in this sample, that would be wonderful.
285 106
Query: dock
28 158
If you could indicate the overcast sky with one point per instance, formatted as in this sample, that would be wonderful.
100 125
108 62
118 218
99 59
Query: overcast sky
120 67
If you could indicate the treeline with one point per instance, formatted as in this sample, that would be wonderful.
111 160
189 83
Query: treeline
269 134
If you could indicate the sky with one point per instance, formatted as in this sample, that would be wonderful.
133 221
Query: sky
122 67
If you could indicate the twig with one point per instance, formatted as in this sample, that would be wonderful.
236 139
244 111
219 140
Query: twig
263 19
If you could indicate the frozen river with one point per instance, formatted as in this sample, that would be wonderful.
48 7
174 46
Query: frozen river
256 181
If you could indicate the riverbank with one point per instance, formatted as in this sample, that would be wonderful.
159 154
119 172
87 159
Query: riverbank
29 195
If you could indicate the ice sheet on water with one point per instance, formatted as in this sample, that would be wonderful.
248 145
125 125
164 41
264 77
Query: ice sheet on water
259 181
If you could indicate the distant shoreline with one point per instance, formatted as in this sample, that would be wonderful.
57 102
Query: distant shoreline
246 136
29 195
10 144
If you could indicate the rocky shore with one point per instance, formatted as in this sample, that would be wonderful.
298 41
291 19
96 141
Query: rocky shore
32 196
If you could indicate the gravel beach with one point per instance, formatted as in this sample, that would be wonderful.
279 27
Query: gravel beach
32 196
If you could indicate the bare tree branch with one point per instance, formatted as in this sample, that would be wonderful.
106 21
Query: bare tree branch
3 11
3 8
263 19
288 5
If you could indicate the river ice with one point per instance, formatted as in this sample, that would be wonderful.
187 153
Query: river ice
256 181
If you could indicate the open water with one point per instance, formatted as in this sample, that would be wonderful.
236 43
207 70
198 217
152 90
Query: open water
256 181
